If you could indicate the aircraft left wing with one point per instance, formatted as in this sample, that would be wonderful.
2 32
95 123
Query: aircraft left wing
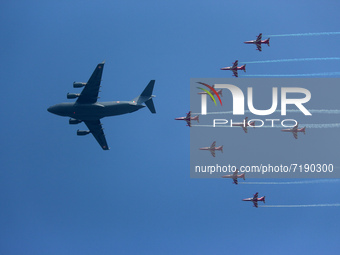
245 129
188 122
235 64
256 195
255 204
259 37
212 152
89 95
96 129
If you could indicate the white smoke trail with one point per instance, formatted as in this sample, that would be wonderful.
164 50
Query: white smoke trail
289 60
330 125
333 125
293 75
323 111
296 206
293 182
306 34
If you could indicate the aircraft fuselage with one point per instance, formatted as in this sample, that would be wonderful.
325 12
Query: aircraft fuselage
94 111
293 131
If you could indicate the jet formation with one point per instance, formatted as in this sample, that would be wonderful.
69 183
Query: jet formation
258 42
86 108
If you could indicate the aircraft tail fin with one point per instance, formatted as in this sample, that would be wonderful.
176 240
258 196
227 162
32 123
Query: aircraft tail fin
304 130
243 176
146 97
268 41
264 199
222 148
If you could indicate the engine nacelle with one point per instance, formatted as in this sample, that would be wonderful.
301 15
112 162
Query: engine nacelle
83 132
79 84
72 95
74 121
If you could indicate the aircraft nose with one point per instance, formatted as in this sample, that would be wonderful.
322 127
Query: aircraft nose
51 109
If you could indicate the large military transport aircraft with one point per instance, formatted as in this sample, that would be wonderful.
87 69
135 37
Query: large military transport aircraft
86 108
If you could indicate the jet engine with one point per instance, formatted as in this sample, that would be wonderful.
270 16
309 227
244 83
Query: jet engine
72 95
79 84
74 121
83 132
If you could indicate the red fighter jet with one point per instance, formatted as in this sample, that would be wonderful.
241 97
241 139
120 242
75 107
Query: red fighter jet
295 130
212 148
244 124
258 42
188 118
235 68
234 176
255 199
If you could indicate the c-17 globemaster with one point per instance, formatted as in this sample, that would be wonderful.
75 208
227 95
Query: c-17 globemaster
86 109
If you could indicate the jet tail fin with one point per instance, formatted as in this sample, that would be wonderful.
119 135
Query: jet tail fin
243 176
264 199
146 97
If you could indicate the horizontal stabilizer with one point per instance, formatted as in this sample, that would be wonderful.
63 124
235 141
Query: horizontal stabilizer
150 105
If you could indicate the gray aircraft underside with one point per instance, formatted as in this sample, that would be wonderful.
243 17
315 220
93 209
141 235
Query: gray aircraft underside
86 109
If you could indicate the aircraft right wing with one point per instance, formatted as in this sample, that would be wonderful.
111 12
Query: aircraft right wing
255 204
89 95
213 145
235 73
235 181
295 135
212 152
96 129
256 195
259 47
188 122
245 129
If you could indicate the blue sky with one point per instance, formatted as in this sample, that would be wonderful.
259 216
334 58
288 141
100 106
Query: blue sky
61 194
